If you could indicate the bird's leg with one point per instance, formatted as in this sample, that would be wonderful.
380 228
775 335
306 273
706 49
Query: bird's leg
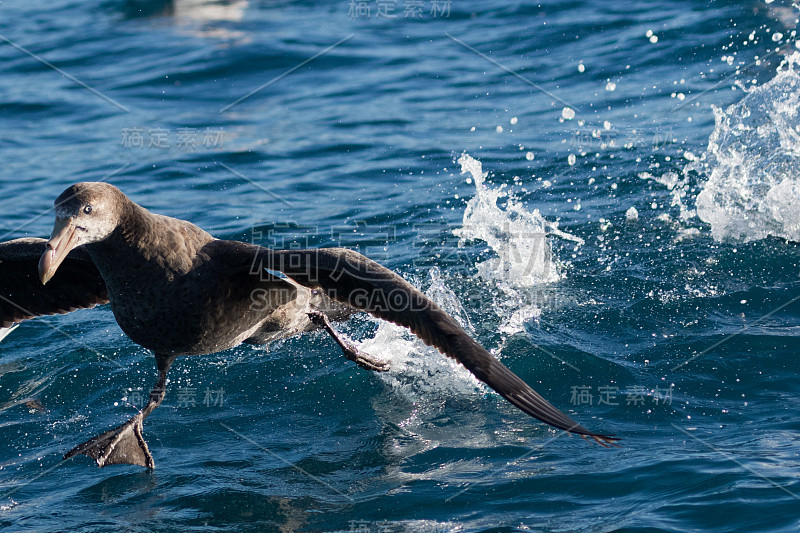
351 352
125 444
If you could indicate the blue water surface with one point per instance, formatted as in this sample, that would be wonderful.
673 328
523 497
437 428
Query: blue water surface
341 123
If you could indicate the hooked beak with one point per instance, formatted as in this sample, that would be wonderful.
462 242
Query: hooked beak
58 247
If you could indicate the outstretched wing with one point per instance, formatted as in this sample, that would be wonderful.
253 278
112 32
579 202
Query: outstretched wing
76 285
349 277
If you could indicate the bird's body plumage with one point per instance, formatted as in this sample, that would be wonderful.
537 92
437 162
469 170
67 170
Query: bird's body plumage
176 290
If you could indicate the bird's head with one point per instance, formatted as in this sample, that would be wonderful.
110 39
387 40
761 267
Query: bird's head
85 213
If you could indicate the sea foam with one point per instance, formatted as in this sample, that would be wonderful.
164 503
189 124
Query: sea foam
752 163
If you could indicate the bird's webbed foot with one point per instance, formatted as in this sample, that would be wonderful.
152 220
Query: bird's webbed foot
122 445
360 358
365 361
125 444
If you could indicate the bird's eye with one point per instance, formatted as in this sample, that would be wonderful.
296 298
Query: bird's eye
88 209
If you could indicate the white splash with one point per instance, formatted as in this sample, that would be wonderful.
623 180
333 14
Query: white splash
677 186
417 369
519 237
752 163
524 260
5 331
8 506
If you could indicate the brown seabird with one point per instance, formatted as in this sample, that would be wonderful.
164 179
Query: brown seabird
176 290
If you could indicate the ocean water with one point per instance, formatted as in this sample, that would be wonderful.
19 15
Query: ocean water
604 193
